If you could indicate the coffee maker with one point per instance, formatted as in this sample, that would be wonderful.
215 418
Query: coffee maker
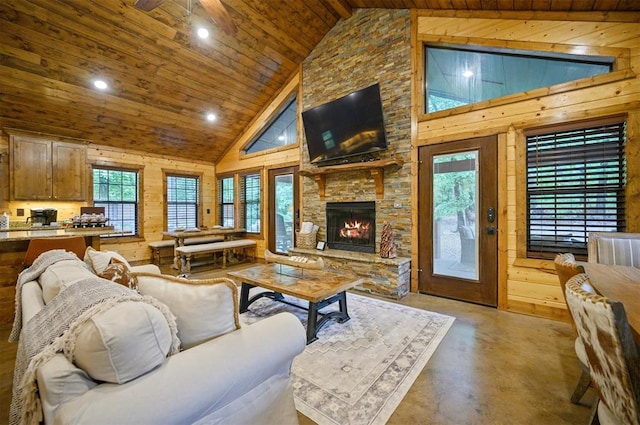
44 216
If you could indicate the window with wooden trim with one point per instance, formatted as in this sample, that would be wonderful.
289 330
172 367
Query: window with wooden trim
226 202
117 191
576 178
461 75
250 202
183 197
281 131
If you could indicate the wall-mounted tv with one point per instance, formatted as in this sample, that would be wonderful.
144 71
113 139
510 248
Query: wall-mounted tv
348 126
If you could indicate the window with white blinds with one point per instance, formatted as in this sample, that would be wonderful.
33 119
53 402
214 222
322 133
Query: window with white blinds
575 185
183 193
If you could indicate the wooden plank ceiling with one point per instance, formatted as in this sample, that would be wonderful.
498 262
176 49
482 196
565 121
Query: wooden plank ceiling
163 78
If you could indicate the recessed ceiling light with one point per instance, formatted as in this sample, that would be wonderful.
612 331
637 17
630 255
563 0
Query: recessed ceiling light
100 84
203 33
211 117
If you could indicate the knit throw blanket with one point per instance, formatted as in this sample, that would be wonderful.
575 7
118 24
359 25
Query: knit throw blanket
54 329
38 267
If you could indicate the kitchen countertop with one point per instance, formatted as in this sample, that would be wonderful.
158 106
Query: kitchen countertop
48 232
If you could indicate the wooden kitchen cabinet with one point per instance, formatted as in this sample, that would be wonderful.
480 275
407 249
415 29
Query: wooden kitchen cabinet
45 169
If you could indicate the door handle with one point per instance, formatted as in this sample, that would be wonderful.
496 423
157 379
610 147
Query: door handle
491 230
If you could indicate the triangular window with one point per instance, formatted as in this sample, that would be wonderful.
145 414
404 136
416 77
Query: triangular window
280 132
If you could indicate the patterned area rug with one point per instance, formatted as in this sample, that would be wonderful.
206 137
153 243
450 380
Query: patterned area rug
358 372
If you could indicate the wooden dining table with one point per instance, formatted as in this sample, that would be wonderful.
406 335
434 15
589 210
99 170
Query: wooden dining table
180 236
620 283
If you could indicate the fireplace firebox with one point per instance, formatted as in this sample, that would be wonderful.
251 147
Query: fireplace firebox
351 226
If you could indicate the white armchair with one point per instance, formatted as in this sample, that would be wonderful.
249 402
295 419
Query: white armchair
617 248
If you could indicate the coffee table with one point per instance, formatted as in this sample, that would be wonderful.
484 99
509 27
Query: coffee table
320 288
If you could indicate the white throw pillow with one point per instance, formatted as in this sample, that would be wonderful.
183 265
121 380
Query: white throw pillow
204 309
99 260
122 343
60 275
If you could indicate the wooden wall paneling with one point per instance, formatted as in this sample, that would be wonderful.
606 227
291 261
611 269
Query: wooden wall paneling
532 286
417 106
4 177
571 106
153 193
520 196
524 305
11 256
503 223
550 295
633 172
533 275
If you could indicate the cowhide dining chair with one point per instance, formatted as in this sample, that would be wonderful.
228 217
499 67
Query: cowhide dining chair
611 350
566 268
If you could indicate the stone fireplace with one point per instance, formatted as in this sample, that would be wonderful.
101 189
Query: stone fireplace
351 226
375 45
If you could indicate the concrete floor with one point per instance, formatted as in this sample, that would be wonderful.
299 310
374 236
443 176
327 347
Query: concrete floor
492 367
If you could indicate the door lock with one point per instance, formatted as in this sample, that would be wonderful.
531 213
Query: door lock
491 230
491 215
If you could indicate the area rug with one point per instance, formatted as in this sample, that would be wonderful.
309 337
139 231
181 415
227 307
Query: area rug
358 372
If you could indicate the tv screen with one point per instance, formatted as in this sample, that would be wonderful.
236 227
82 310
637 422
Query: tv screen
350 125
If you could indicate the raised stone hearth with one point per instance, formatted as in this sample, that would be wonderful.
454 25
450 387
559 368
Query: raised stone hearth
389 277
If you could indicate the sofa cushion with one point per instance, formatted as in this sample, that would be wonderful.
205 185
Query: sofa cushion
99 260
59 381
122 343
118 272
204 309
60 275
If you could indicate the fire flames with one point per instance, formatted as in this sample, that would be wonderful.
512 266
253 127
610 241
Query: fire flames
355 229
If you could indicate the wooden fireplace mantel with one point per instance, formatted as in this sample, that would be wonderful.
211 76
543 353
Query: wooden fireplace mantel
375 168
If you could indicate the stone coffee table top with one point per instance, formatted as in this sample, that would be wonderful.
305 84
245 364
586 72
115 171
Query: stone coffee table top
307 284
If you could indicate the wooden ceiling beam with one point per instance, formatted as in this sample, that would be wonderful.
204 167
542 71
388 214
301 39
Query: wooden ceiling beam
341 7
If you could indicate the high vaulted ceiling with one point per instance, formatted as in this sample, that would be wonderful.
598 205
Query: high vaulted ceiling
163 78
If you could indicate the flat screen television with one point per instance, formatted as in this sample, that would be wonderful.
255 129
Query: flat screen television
345 127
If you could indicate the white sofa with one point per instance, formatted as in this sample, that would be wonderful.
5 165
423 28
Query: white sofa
240 377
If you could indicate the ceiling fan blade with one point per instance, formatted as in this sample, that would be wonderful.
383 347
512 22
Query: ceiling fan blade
147 5
219 13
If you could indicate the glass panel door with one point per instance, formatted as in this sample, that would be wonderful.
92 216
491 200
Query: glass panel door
283 208
457 222
284 212
455 193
